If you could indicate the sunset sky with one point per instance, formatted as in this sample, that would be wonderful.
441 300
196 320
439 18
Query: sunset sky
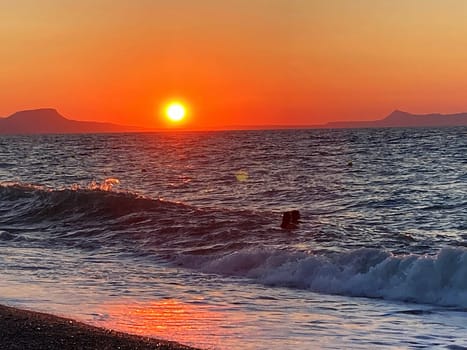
235 62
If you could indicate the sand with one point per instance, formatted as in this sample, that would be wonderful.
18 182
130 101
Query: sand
21 329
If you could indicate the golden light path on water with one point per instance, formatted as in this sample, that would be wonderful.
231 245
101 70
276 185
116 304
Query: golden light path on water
169 319
201 325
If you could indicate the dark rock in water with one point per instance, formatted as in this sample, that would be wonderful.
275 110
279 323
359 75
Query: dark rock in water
290 219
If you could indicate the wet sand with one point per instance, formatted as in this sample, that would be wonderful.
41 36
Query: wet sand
21 329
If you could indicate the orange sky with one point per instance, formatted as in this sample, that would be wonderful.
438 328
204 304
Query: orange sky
237 62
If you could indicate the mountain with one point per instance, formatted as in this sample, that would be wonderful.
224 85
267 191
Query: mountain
404 119
49 121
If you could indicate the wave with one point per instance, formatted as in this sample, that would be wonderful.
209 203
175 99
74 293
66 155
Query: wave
101 215
37 203
374 273
230 243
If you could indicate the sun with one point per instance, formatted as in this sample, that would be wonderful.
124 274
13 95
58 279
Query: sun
175 111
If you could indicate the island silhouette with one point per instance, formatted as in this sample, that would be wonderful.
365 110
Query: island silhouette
400 119
50 121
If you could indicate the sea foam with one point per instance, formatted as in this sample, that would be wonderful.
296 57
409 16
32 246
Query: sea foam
440 279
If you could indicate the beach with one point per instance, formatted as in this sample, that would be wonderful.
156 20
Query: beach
22 329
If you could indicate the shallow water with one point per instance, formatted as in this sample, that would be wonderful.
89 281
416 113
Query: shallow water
186 245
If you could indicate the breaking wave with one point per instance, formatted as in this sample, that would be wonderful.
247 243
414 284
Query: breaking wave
101 215
440 279
224 242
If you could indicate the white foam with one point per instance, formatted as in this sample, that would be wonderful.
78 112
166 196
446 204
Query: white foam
439 279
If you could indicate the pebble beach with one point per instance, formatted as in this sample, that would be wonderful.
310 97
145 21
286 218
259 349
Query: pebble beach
23 330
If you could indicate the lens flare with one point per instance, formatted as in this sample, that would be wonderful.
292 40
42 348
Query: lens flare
241 175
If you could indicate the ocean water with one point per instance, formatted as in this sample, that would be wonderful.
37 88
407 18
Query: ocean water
176 235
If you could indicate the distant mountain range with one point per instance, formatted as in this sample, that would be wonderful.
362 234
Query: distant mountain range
49 121
407 120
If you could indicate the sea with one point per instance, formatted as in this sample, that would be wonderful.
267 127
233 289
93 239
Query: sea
177 235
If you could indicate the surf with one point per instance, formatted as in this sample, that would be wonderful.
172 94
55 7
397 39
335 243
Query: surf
374 273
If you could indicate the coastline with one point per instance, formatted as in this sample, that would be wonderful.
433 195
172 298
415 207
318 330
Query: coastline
24 329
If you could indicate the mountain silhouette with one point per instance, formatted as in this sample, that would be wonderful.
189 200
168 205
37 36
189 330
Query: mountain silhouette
49 121
405 119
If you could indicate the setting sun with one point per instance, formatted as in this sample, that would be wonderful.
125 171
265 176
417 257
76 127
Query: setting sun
175 111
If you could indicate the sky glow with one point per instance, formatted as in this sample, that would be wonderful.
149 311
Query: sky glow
237 62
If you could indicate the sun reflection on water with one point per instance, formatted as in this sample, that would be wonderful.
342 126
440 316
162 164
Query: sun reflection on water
169 319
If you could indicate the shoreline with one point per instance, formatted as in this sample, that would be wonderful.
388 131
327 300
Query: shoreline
23 330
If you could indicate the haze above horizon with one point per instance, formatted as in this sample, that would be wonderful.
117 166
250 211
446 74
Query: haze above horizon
236 62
